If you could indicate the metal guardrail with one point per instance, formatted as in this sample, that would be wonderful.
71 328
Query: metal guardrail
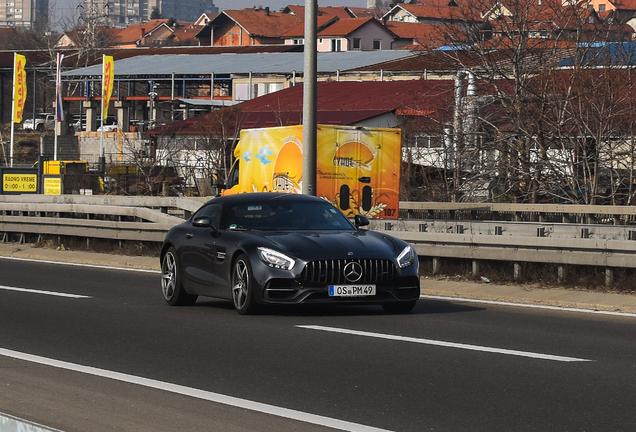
149 218
107 217
549 243
557 213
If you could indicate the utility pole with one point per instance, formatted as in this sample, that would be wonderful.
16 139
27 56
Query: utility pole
310 99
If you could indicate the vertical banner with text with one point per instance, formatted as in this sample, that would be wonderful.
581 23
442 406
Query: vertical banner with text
19 87
108 78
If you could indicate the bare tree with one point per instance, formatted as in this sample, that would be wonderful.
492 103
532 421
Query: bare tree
525 133
203 156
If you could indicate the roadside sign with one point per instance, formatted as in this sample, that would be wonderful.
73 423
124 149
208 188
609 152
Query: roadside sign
18 180
52 185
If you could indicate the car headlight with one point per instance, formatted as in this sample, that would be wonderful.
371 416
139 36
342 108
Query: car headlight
406 257
275 259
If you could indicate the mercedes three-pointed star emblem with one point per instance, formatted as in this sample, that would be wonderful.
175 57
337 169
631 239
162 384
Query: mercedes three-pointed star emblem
353 272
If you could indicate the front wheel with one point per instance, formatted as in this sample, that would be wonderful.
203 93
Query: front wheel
399 307
171 288
243 286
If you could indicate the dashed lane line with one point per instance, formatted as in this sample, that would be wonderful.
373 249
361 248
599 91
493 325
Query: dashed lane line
51 293
445 344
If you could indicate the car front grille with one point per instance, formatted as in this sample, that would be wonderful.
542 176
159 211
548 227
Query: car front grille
332 271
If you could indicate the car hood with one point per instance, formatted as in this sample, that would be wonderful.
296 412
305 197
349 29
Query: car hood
333 245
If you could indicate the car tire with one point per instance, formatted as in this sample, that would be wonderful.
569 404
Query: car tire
243 286
40 128
399 307
171 287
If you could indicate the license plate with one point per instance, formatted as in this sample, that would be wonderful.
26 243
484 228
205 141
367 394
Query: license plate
351 290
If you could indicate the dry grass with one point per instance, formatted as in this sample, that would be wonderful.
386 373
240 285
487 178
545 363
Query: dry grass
533 274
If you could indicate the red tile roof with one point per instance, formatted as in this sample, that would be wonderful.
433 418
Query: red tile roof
364 12
299 29
345 27
624 4
262 23
339 102
429 35
443 12
134 32
337 11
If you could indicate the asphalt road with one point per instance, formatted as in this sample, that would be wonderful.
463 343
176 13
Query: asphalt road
118 358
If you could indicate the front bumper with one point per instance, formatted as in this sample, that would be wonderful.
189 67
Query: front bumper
291 291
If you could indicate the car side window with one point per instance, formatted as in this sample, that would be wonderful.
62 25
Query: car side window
213 211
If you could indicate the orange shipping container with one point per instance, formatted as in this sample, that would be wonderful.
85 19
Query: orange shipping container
358 169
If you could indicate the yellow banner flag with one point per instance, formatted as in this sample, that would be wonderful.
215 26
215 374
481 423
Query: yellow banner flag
19 87
108 78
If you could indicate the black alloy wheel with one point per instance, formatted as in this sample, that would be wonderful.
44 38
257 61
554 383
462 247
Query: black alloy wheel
171 288
243 286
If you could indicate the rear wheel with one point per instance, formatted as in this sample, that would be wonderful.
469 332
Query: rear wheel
243 286
399 307
171 288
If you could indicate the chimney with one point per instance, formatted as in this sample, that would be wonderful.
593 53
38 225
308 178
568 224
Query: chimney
143 39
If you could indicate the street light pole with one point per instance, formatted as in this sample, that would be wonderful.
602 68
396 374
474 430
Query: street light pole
310 99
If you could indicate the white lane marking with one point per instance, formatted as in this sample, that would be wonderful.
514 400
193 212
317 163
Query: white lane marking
81 265
51 293
529 305
445 344
196 393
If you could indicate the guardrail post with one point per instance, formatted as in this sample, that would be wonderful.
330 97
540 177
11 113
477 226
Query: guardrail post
561 274
609 276
436 265
517 271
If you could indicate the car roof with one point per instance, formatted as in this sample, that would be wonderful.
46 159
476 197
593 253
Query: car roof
263 197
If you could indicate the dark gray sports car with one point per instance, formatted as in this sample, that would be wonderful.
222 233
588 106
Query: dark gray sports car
268 248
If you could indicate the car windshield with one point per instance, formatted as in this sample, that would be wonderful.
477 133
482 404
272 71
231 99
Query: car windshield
286 215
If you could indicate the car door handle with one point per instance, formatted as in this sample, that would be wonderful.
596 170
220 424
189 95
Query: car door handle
189 235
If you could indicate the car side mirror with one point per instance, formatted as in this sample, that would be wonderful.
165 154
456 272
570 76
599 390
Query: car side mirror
360 221
203 222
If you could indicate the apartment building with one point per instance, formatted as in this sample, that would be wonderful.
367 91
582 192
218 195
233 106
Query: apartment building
122 13
188 11
24 13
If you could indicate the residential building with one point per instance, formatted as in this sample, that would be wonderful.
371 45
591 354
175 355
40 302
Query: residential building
417 36
433 12
152 33
121 13
352 34
24 13
189 10
204 19
118 13
247 27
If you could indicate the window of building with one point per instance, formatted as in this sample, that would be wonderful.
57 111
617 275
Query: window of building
336 45
376 44
258 89
601 7
222 88
427 141
356 43
242 91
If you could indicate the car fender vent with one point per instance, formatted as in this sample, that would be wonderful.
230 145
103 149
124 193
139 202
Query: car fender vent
332 271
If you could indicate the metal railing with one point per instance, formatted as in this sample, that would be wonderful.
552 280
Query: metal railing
149 218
